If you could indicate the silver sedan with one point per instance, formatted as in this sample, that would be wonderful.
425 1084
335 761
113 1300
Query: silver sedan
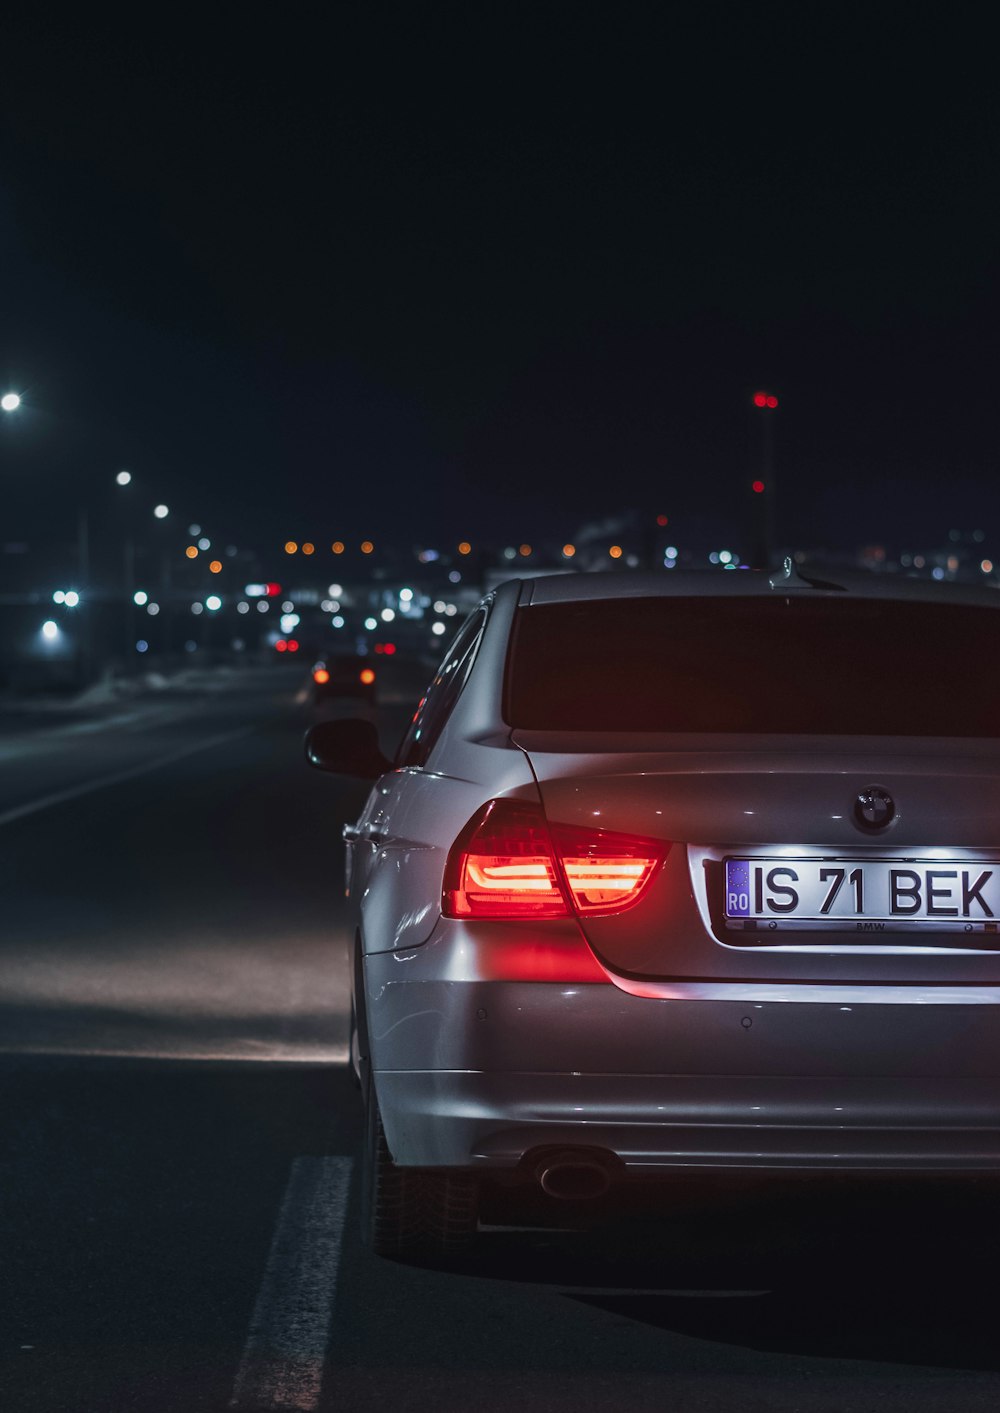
678 873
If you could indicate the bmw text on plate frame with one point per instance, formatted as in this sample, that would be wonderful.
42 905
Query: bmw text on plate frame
632 812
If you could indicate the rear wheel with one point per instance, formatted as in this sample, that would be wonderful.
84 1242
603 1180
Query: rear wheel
407 1211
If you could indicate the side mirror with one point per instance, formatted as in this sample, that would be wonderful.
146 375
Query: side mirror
347 747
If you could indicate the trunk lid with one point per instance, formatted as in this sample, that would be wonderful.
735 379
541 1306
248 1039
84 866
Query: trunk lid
781 803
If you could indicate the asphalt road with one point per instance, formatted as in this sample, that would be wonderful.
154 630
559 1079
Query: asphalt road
179 1139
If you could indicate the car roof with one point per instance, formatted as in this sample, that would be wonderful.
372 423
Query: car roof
747 583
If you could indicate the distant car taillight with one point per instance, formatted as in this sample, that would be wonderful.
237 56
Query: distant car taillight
321 676
508 862
367 676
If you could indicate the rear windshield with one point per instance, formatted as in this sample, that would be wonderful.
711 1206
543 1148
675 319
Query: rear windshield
790 665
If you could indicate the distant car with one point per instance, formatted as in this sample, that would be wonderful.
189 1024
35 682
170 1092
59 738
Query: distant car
677 874
343 675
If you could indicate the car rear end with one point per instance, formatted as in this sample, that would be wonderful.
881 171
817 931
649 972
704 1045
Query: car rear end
740 910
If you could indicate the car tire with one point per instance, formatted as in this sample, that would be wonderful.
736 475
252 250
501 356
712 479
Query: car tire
412 1212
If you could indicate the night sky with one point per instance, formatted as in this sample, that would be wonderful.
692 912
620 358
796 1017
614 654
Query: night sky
493 271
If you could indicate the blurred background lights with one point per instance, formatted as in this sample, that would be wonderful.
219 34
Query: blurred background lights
142 646
338 547
192 551
308 548
262 605
204 543
140 597
454 577
387 615
670 552
437 629
291 547
213 603
71 598
524 550
335 590
337 621
161 511
725 557
366 546
405 595
50 630
242 606
194 531
10 402
215 567
371 623
288 606
289 621
568 551
123 478
58 596
197 608
615 551
152 609
465 547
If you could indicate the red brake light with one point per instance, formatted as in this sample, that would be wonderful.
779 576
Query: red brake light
508 862
281 646
503 865
607 872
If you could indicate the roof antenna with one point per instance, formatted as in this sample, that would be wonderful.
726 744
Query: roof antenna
790 578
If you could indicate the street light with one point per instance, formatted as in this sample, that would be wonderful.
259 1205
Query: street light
10 402
123 478
161 512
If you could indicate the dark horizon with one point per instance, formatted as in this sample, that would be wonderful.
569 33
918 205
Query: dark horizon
427 278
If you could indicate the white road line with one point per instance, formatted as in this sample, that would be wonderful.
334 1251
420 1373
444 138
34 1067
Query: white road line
282 1366
60 797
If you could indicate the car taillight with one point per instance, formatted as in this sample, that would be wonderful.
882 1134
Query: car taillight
606 871
321 675
509 863
366 676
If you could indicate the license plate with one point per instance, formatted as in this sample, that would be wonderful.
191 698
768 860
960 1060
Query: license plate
864 895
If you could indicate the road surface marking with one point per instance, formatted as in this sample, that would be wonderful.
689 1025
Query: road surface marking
282 1365
60 797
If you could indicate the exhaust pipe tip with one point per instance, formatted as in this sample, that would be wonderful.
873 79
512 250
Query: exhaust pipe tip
573 1178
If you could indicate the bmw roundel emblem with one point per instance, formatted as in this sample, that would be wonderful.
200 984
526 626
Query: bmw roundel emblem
874 808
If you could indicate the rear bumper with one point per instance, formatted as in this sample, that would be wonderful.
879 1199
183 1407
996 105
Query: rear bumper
478 1060
656 1124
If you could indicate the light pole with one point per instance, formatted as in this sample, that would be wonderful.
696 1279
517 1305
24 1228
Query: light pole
765 486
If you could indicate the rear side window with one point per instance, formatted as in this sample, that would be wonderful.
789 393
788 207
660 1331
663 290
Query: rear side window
437 702
788 665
